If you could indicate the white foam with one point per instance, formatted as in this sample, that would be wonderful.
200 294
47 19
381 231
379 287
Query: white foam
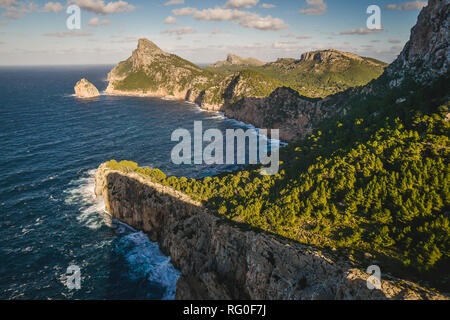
92 208
146 261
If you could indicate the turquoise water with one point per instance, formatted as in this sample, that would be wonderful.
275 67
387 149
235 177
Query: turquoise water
51 143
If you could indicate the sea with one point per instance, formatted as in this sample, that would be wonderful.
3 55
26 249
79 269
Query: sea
50 146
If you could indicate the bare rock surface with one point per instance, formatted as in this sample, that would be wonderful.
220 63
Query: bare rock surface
85 89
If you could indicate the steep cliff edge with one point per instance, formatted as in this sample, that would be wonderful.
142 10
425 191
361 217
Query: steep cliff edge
221 260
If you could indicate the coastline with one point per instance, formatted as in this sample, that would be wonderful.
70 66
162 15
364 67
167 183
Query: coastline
282 143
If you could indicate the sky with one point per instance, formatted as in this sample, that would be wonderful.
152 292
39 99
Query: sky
34 32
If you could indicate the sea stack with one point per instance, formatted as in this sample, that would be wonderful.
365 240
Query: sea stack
85 89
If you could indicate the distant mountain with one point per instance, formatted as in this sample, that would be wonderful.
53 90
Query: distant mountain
234 60
324 72
153 72
229 86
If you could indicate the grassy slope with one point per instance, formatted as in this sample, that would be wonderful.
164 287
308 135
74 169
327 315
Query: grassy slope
313 80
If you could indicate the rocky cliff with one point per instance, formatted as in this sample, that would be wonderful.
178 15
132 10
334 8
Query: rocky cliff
426 56
221 260
85 89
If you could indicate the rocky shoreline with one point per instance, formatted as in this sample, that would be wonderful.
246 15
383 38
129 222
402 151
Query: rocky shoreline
219 259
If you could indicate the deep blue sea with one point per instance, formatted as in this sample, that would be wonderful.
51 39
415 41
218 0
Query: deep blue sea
51 143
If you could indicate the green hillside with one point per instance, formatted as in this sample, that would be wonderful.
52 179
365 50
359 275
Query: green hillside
375 181
317 78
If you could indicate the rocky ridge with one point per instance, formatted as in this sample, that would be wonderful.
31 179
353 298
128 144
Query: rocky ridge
234 60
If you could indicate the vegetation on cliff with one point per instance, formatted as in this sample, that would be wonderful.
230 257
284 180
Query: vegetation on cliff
326 72
151 70
375 180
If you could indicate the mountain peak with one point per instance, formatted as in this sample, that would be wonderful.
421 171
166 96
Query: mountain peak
329 54
235 60
147 45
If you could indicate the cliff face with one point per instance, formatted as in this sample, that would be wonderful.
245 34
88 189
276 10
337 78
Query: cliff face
427 54
220 260
283 109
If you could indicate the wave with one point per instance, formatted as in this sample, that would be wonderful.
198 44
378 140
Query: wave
145 261
92 208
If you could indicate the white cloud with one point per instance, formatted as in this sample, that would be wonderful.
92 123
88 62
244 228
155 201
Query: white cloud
68 34
361 31
244 18
241 3
173 2
99 6
15 9
286 45
187 11
96 22
315 7
267 6
407 6
293 35
180 31
12 15
170 20
53 7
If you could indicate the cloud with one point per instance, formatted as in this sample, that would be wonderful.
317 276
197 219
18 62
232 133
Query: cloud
68 34
286 45
244 18
267 6
315 7
173 2
407 6
128 39
96 22
241 4
179 31
3 23
293 35
53 7
361 31
170 20
99 6
12 15
216 31
394 41
15 9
